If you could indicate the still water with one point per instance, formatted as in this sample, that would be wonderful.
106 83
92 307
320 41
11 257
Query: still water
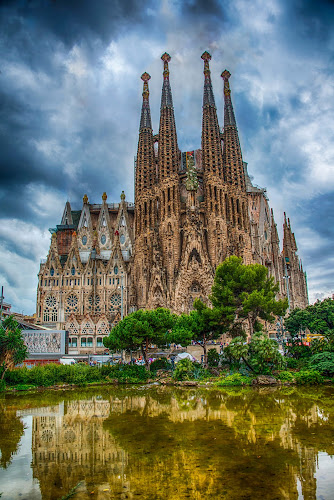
168 443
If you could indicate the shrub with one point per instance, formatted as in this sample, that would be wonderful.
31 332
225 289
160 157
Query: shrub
189 370
291 363
323 362
285 376
213 358
160 364
2 385
308 377
234 379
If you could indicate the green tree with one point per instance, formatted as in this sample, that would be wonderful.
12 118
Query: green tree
201 325
12 348
260 355
317 318
246 293
140 329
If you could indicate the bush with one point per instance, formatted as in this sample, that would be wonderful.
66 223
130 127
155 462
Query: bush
285 376
2 385
234 379
213 358
160 364
323 363
311 377
291 363
189 370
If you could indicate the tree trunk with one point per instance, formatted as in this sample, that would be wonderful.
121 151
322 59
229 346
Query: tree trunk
205 353
144 351
250 323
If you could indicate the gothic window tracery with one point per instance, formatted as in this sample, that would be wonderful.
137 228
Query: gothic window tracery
71 303
87 328
94 304
50 309
115 302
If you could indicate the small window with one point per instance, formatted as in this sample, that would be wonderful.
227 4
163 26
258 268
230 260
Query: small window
83 342
103 239
52 271
84 240
73 271
99 342
74 341
90 342
122 239
116 270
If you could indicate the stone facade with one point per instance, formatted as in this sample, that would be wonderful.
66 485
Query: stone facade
191 211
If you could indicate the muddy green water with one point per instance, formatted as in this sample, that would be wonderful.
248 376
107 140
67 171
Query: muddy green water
168 443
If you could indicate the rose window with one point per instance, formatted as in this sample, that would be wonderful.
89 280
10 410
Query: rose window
94 304
71 303
115 302
51 301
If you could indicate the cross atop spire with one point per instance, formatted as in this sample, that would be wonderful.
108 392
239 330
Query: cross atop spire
166 96
145 120
208 97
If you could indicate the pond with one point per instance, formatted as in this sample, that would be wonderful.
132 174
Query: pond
168 443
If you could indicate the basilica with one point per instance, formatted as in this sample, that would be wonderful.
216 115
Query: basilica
192 209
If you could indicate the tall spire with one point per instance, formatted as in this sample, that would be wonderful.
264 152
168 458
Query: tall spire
229 118
232 157
168 156
208 97
145 119
145 168
211 140
166 96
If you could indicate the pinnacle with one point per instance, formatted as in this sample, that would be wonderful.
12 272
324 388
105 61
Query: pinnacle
166 57
206 56
145 77
225 74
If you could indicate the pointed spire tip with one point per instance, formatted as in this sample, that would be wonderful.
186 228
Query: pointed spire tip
166 57
145 77
225 74
206 56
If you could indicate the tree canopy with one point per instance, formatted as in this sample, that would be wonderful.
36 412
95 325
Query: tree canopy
12 348
317 318
245 293
140 329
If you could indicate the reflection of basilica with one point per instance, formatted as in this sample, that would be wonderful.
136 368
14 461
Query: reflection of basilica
174 444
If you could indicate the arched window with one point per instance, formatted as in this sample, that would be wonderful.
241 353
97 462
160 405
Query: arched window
52 271
99 342
90 342
50 309
83 342
73 271
73 342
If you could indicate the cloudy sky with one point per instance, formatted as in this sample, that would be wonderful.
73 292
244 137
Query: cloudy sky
70 107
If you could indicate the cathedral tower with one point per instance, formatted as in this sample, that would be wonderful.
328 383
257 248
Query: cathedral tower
145 203
236 202
168 193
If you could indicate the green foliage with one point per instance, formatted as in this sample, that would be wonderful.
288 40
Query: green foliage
245 292
140 329
285 376
160 364
291 363
189 370
297 349
2 385
260 355
80 374
323 362
213 358
234 379
309 377
12 348
317 318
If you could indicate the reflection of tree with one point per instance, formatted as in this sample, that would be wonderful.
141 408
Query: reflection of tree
12 430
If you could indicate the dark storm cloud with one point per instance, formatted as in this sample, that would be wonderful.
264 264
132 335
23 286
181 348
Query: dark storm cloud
71 21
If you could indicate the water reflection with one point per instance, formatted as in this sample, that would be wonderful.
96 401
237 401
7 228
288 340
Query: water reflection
173 443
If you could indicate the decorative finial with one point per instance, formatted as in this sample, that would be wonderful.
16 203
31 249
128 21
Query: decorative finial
85 199
226 75
54 236
206 58
145 77
104 196
122 196
166 58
